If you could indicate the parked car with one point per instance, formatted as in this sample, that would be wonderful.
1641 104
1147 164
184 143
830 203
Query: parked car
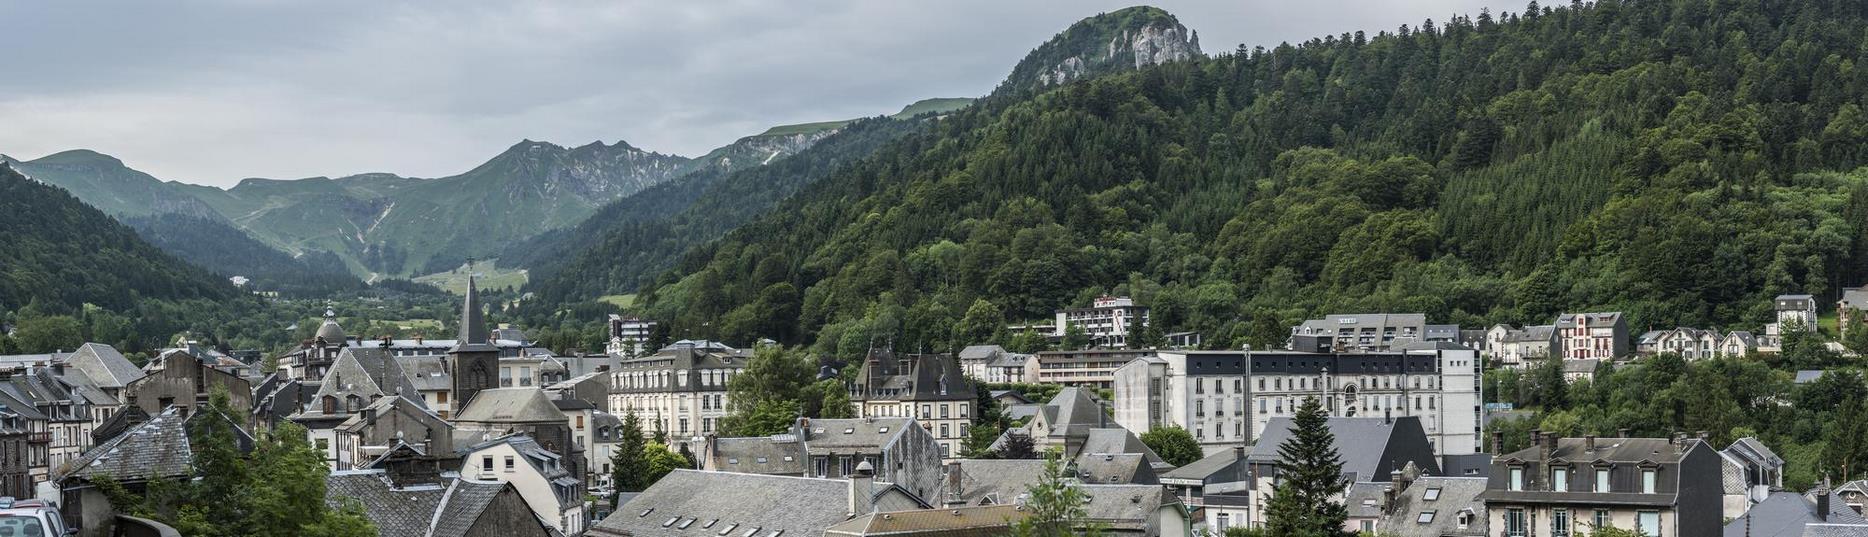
31 518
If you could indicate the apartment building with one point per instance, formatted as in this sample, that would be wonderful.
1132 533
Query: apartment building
1093 368
1367 332
929 387
1602 336
1560 487
1513 347
1108 321
681 388
1229 397
629 335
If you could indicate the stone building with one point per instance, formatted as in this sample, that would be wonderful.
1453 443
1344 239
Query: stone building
176 378
681 389
1558 486
929 387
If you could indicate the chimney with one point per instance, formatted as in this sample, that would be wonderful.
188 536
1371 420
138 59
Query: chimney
58 368
1550 446
1622 432
1822 501
1589 443
1388 416
954 490
1238 451
418 339
862 485
1498 442
1537 437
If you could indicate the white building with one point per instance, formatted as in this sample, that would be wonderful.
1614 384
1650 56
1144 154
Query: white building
629 336
538 473
1108 321
1228 397
1367 332
681 389
1592 335
993 364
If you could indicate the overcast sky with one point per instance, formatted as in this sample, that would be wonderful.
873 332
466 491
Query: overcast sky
213 92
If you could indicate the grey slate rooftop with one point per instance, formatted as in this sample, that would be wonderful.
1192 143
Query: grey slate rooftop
1785 514
696 503
1430 507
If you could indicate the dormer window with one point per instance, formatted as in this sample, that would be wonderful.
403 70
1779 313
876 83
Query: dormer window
1517 479
1602 479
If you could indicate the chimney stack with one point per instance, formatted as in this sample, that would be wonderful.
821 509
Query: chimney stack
1388 416
1498 443
1549 446
1589 443
862 485
954 485
1822 501
1537 437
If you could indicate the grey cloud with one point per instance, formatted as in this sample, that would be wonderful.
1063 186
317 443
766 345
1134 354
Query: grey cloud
212 92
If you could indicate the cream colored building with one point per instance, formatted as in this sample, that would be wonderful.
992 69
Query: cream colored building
681 389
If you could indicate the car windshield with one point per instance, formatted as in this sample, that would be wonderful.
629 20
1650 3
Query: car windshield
20 526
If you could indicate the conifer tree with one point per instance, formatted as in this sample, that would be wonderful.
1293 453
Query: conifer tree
1311 472
627 466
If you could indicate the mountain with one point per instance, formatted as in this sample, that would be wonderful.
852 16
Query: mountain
1130 38
1679 164
630 241
219 247
63 254
106 183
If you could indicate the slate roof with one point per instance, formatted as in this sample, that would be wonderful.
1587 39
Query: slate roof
980 352
367 374
427 373
159 448
1754 451
914 377
104 365
986 521
448 509
759 455
998 481
1115 468
510 405
1454 494
1466 465
1073 412
1221 467
1630 450
828 435
1120 440
1568 320
473 335
1586 365
1125 507
1835 530
695 503
1785 514
1361 442
1531 334
1855 297
1364 500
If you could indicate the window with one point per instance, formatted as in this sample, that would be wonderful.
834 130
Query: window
943 411
1602 480
486 463
943 430
1431 494
1426 517
580 421
1560 522
525 376
1603 520
509 463
1517 479
1647 481
962 411
684 426
1560 479
1514 523
1224 522
924 411
441 397
1261 384
1261 406
1648 522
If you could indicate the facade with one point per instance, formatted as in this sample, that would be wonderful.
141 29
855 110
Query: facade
554 492
354 384
629 336
1217 489
1849 310
501 412
1795 309
1514 347
1228 397
680 389
67 414
1570 486
1688 343
993 364
1818 513
25 435
177 378
1592 335
1749 472
1109 321
1366 332
1093 368
1737 343
156 450
929 387
386 423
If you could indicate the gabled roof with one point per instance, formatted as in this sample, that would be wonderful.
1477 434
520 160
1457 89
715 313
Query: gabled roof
1125 507
510 405
843 435
427 372
1116 468
689 502
1568 320
759 455
1074 411
1363 443
1120 440
448 509
1223 467
1753 451
994 481
980 352
367 373
1785 514
104 365
159 448
1452 495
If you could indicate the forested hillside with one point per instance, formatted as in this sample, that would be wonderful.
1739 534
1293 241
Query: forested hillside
629 242
218 247
1680 160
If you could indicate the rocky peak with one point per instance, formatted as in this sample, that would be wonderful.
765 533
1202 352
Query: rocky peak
1130 38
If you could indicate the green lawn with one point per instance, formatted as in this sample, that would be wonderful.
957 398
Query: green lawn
487 274
803 128
621 301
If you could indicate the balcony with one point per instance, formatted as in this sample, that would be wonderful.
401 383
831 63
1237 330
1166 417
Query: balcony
39 438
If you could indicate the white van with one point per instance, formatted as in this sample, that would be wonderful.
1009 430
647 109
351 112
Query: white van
30 518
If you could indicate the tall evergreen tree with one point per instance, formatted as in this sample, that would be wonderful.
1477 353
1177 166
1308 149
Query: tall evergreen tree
1311 472
627 465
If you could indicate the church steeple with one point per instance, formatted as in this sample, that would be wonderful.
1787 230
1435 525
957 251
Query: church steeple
473 323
